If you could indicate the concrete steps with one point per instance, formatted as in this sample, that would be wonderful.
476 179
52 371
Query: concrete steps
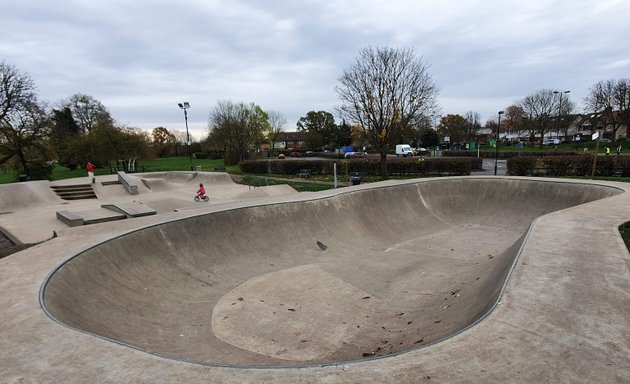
74 192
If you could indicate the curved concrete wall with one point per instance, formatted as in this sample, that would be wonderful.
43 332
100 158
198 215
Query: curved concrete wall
364 273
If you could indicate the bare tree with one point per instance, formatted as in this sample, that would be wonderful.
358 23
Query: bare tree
474 125
386 91
276 125
610 100
540 107
24 124
88 112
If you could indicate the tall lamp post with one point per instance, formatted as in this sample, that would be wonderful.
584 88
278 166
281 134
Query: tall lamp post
185 105
559 110
496 145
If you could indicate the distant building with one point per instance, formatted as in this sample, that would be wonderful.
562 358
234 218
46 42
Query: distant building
290 141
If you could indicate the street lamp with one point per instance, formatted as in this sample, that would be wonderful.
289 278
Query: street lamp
185 106
496 145
559 110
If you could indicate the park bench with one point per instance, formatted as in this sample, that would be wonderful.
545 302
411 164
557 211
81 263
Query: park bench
305 173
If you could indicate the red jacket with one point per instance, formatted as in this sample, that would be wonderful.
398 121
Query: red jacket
90 167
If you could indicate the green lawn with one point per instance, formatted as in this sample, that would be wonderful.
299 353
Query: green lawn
159 164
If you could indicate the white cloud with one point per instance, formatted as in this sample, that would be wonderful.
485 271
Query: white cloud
140 58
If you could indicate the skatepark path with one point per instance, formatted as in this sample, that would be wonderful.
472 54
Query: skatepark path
453 280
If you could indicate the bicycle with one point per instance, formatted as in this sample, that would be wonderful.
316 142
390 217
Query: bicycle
198 198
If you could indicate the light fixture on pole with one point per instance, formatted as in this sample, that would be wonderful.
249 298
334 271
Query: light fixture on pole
496 145
185 106
559 110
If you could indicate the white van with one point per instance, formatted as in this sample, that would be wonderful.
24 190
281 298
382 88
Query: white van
404 150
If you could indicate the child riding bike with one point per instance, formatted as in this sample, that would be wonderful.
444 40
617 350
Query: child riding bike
201 192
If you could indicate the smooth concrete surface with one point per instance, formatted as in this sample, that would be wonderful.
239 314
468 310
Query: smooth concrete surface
214 276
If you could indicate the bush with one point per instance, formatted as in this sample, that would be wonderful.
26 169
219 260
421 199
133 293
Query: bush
576 165
366 166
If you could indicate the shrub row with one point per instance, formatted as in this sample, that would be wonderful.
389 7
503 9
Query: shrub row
504 155
369 166
577 165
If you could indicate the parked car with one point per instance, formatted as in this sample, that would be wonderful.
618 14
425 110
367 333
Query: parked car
349 155
421 151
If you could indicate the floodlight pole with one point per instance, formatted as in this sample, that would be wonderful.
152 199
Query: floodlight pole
185 106
559 110
496 145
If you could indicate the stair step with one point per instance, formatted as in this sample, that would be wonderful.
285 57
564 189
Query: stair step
74 192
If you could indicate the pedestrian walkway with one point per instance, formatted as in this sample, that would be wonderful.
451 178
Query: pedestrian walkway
488 168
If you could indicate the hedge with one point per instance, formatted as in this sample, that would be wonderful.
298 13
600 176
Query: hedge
576 165
368 166
505 155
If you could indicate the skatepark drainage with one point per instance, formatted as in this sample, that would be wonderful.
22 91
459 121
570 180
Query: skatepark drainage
404 266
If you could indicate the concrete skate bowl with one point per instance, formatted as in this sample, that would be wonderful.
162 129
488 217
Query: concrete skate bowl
164 181
363 273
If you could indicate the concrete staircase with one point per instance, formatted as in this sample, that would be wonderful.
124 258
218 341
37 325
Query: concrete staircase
74 192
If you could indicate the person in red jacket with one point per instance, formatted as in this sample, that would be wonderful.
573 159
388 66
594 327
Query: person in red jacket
201 192
90 170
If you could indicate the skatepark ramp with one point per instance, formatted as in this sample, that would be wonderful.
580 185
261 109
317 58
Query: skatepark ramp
332 277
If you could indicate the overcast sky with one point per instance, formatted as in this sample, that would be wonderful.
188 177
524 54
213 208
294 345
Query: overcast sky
140 58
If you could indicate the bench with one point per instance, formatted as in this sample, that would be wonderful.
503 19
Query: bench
306 173
128 183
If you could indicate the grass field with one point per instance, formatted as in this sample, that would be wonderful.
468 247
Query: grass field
160 164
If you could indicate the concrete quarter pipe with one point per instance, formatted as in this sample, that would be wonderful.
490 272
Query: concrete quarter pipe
353 276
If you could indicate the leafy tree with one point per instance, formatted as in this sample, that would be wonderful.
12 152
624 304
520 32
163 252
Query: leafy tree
610 99
386 91
106 143
163 141
63 137
344 135
236 127
321 130
429 137
456 127
24 124
514 120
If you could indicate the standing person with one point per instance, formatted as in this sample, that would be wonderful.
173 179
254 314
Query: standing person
619 150
90 170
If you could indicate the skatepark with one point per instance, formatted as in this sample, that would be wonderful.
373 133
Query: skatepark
447 280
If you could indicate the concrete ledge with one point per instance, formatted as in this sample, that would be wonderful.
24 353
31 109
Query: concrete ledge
133 209
128 183
70 219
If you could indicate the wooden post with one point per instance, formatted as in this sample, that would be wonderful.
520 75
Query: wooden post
595 159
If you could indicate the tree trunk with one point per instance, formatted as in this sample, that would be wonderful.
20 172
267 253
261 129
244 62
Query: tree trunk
384 164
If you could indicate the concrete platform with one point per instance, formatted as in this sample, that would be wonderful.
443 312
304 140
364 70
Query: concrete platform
453 280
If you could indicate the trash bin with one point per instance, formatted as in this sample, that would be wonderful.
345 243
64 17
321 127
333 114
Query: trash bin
198 168
356 178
